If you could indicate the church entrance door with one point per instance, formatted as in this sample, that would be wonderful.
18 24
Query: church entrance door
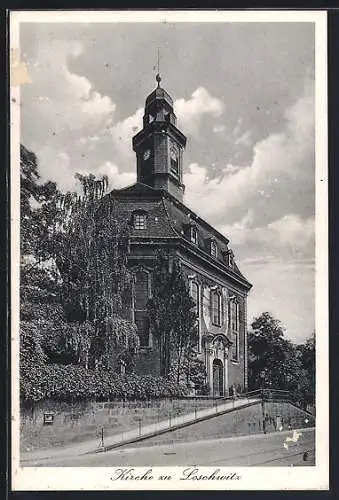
218 378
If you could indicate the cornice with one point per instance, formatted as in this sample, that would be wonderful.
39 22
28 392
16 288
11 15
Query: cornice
167 240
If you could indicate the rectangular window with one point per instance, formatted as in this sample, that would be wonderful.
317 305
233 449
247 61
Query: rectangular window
234 316
141 290
195 296
139 221
235 346
143 327
141 296
216 309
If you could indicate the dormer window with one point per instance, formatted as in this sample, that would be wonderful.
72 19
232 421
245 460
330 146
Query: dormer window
194 235
230 259
139 221
213 249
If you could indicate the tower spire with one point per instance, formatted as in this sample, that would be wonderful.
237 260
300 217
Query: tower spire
160 144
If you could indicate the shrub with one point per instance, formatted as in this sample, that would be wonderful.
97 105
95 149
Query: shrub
74 383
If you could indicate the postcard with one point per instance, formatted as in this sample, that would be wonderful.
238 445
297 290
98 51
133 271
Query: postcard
169 274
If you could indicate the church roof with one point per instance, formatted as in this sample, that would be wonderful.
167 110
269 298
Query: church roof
184 218
174 221
138 189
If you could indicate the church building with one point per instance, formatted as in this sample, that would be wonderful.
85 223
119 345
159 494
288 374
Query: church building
160 220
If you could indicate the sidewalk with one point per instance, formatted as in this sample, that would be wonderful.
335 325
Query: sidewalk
136 434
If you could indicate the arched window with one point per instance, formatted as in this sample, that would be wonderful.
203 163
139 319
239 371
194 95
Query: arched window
141 296
229 257
139 220
216 308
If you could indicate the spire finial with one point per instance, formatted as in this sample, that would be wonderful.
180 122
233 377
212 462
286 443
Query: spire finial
158 77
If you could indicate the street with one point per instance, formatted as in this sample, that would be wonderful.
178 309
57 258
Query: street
284 448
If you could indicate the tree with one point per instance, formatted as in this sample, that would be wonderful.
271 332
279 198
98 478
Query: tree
171 313
38 206
91 255
74 274
120 343
272 359
39 279
305 390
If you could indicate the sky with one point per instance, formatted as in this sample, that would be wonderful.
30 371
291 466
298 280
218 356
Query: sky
244 97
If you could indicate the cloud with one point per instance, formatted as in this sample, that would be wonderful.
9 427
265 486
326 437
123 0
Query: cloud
67 111
237 128
278 259
117 179
286 289
290 228
123 131
280 176
63 101
266 209
288 238
218 129
191 111
245 139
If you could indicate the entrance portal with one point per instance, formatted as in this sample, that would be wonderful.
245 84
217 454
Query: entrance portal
218 378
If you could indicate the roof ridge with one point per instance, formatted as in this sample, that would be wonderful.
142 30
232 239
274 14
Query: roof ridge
176 232
171 197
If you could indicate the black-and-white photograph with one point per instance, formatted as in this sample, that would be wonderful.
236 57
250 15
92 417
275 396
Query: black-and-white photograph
170 276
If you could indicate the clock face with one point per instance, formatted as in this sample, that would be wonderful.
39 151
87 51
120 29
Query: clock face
146 154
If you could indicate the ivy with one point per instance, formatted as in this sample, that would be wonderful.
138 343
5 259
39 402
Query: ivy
75 383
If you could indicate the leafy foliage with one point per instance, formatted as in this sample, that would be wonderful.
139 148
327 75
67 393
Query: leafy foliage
39 280
120 342
274 361
38 204
272 358
74 383
75 290
306 383
92 254
172 316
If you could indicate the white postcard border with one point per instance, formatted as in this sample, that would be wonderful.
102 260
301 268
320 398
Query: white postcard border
252 478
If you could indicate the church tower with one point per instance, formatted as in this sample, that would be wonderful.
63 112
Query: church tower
159 145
